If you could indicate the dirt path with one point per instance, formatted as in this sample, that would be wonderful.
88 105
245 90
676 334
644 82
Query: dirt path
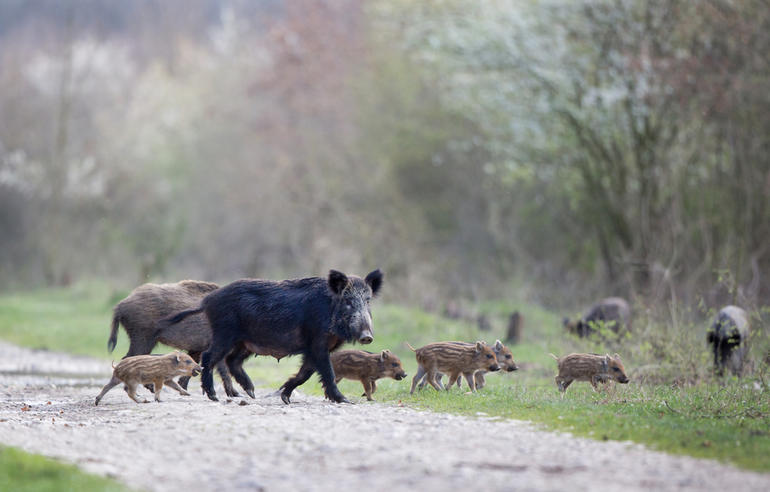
312 445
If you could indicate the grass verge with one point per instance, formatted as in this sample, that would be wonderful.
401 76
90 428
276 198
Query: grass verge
24 472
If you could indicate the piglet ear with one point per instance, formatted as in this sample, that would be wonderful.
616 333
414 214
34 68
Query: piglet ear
337 281
176 354
498 345
479 347
617 356
385 355
374 280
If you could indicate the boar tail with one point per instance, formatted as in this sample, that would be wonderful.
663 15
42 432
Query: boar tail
407 344
176 318
554 357
113 340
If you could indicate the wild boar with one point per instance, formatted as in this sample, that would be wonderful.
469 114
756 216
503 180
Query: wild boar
504 358
589 367
309 316
453 358
612 312
147 304
360 365
150 369
728 336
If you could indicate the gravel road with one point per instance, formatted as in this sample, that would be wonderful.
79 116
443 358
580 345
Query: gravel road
190 443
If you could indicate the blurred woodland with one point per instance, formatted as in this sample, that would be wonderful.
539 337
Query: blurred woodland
559 150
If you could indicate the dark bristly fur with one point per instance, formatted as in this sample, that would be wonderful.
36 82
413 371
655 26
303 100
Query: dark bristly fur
147 304
150 369
728 336
309 316
366 367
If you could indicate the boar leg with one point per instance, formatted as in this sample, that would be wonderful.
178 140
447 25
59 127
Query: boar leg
420 374
323 365
431 377
452 380
367 388
173 385
235 364
470 380
480 380
305 371
111 384
131 390
158 388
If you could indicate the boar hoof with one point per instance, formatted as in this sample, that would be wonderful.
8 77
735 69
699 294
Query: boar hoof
285 399
250 392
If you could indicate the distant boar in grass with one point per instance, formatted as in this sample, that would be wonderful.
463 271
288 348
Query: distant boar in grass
612 312
589 367
453 358
360 365
151 369
728 336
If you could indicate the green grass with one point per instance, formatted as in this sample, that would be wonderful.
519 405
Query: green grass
24 472
697 416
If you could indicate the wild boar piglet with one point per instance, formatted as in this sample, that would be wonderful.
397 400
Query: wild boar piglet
155 369
589 367
364 366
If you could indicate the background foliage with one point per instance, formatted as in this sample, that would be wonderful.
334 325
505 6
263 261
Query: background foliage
562 151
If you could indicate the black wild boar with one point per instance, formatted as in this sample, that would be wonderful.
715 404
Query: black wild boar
149 303
589 367
150 369
453 358
309 316
504 358
612 312
728 336
360 365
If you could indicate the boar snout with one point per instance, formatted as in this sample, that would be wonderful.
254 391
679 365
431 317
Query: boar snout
366 338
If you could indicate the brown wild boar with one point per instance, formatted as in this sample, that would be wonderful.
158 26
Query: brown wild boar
453 358
150 302
589 367
360 365
504 358
155 369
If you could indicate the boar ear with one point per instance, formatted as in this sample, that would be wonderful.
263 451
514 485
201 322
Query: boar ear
374 280
337 281
479 347
385 355
498 345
